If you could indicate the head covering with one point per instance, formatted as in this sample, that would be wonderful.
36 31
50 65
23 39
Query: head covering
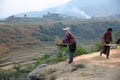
109 29
67 28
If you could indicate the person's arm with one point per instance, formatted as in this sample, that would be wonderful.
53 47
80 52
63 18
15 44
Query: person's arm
103 38
66 39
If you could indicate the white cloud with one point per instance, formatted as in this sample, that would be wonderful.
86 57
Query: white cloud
9 7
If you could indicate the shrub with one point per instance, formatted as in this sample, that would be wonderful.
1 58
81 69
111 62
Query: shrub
17 74
97 47
60 55
80 50
44 59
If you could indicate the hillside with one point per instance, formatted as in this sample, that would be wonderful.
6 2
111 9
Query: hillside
49 28
18 32
85 67
15 37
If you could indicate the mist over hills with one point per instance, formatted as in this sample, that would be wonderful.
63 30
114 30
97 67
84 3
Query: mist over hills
81 9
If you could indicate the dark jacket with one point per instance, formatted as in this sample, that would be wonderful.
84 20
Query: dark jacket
107 37
70 40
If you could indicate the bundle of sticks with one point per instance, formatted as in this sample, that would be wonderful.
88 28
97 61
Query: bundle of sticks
111 44
59 42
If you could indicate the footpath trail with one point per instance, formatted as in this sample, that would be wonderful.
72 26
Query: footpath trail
96 67
86 67
95 58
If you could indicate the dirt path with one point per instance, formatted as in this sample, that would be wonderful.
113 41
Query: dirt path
95 58
86 67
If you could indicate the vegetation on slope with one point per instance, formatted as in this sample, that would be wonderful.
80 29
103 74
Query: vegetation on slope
20 32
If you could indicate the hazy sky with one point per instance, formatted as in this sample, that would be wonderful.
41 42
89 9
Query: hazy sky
11 7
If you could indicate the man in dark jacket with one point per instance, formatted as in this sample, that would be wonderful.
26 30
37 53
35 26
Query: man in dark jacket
70 40
106 39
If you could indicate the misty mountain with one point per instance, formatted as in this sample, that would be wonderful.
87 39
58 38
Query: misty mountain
81 9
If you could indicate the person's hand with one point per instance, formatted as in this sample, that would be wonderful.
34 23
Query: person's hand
112 42
106 44
56 44
59 44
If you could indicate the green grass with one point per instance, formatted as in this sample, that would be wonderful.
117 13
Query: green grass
18 73
61 55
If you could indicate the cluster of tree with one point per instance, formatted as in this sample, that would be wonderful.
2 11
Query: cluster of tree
85 32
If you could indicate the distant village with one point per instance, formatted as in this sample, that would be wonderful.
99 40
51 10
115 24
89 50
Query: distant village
55 15
47 16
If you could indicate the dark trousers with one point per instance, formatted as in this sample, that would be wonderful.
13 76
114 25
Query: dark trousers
71 55
106 50
72 49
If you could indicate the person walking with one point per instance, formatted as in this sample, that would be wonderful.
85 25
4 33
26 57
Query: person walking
106 39
71 41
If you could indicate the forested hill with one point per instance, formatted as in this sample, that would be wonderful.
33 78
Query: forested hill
20 32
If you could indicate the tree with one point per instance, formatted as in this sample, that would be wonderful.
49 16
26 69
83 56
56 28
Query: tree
25 15
117 35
